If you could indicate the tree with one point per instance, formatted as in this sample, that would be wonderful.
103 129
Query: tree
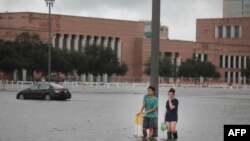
166 67
196 68
103 60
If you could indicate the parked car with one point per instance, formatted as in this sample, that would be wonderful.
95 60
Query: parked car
46 91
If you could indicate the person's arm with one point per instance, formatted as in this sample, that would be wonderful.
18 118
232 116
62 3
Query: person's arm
153 109
171 105
142 107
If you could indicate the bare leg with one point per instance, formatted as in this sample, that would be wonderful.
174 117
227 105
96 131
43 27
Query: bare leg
144 132
169 131
173 126
151 133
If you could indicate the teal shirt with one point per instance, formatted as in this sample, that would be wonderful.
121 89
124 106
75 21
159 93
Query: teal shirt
151 102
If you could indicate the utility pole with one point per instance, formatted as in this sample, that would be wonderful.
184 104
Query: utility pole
155 42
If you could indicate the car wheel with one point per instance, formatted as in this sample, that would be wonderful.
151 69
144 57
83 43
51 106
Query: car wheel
21 96
47 97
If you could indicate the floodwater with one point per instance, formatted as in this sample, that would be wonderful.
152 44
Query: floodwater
105 114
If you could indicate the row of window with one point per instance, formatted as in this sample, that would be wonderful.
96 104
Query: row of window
228 31
229 61
202 57
230 78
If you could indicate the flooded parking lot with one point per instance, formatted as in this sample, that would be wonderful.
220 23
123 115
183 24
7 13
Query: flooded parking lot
102 114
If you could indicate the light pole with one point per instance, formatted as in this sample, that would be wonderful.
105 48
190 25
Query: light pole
155 42
49 3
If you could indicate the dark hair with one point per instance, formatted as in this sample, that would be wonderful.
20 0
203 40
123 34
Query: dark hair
172 91
152 88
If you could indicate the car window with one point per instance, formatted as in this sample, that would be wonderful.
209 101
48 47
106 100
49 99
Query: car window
34 87
43 87
56 86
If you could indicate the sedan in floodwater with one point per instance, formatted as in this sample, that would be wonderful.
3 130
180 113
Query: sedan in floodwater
46 91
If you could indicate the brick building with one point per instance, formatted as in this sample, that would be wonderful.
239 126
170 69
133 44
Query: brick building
224 42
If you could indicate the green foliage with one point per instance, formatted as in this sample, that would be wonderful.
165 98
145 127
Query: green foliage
28 52
195 68
103 60
166 67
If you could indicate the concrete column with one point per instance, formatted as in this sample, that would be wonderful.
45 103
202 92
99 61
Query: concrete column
105 78
234 63
90 78
15 75
224 32
84 39
216 32
232 32
113 44
91 41
234 77
244 80
68 42
83 77
119 51
223 61
228 77
196 55
178 61
229 61
60 42
239 62
105 42
240 32
98 41
172 57
239 78
24 74
53 41
245 62
202 57
76 43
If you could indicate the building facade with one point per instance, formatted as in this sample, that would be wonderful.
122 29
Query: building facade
224 42
236 8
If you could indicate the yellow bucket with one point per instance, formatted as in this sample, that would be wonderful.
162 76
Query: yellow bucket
138 119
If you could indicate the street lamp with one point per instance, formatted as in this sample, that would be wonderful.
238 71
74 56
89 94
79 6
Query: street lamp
49 3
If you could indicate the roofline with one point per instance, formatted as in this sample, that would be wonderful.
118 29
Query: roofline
27 12
228 18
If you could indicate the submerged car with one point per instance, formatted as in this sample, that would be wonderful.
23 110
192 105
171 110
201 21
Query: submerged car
46 91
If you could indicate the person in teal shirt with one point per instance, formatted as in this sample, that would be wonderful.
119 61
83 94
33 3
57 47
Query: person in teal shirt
149 110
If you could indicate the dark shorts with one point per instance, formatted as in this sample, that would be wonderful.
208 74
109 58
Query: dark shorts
149 122
171 117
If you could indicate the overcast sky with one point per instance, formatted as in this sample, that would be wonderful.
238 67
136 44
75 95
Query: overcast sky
179 15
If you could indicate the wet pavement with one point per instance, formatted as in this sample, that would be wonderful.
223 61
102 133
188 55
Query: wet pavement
104 114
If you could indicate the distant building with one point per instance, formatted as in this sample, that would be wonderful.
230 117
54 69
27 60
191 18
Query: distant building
148 30
236 8
224 42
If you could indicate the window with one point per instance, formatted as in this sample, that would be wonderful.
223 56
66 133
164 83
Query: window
228 33
43 86
199 56
226 61
205 57
226 73
237 61
34 87
221 61
236 31
242 61
232 62
220 28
